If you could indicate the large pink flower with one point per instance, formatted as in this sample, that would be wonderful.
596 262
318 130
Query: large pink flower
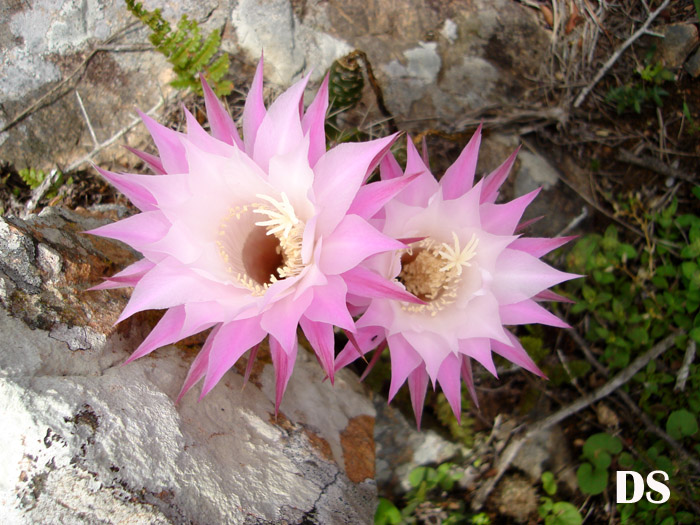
251 236
466 262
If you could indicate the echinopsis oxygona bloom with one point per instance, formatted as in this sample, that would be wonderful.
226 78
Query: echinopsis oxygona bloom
468 264
253 236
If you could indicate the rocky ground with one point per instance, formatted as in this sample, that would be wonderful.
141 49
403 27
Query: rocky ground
603 97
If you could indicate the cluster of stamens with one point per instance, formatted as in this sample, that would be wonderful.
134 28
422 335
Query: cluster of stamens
432 272
279 246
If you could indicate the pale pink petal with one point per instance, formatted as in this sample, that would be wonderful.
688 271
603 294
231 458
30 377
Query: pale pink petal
516 354
339 173
329 304
502 219
365 283
404 360
479 349
231 342
432 348
459 177
526 312
282 318
314 123
424 186
418 385
520 276
200 138
449 379
170 149
320 337
494 180
129 185
253 110
280 130
389 168
128 277
352 242
222 126
151 161
138 231
164 333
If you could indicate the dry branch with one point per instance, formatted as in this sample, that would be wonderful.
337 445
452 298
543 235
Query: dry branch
616 382
603 70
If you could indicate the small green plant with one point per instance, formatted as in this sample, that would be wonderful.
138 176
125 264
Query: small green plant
592 475
556 512
635 95
186 49
33 178
692 126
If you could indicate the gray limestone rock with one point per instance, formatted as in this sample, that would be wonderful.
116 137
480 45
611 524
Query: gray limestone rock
87 440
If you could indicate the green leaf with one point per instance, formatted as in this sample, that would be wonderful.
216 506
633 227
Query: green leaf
549 484
386 513
417 475
564 513
591 480
681 423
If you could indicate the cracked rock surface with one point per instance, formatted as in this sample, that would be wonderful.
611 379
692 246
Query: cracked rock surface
86 440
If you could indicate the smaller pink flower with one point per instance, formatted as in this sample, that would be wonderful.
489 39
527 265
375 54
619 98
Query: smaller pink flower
474 273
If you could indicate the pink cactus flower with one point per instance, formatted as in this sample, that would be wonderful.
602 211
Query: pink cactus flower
474 273
252 236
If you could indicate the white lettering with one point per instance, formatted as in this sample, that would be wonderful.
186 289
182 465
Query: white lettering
622 486
657 486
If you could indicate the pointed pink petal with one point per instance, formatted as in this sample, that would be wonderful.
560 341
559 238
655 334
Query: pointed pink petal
249 365
459 177
129 276
339 173
329 304
432 348
129 186
199 366
479 348
420 190
222 126
526 312
366 338
451 384
203 140
164 333
320 337
366 283
231 342
494 180
283 362
502 219
404 360
418 385
151 161
314 123
352 242
170 149
375 359
254 110
389 168
523 225
280 131
519 276
137 231
372 197
539 246
548 295
469 379
424 152
516 354
282 319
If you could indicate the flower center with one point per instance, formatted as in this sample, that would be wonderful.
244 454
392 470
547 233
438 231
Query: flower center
432 272
260 252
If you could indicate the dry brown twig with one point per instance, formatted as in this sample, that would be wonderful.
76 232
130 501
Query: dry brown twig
627 43
511 451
